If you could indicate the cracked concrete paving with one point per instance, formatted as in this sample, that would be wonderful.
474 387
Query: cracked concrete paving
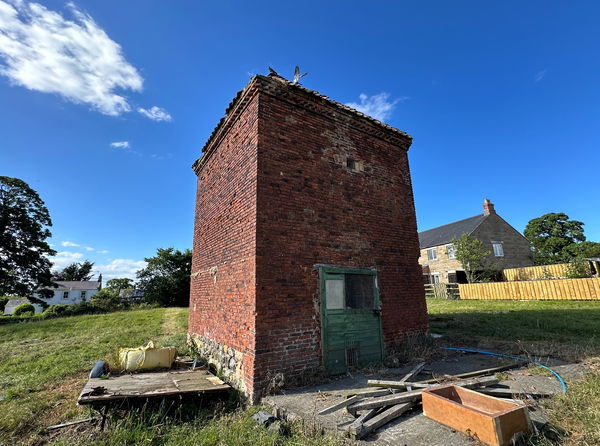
413 428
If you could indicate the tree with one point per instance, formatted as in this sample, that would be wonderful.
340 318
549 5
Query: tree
24 251
473 257
76 271
554 238
588 250
119 284
166 278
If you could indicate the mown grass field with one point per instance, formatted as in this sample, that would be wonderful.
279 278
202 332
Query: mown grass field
44 364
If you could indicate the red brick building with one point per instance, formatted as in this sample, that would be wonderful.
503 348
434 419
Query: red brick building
305 248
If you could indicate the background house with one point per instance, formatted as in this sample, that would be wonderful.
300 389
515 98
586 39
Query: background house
508 248
70 292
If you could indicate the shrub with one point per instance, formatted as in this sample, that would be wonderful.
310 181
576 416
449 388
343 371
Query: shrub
578 269
24 310
3 302
107 299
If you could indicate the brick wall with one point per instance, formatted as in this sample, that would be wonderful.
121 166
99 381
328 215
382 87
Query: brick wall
313 209
275 198
223 263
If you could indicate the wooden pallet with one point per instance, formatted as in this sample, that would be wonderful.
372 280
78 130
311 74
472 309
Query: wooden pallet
150 385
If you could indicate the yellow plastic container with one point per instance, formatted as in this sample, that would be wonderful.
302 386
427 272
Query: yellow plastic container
146 358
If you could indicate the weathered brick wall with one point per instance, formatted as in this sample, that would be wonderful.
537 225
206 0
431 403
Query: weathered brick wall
276 197
221 321
313 209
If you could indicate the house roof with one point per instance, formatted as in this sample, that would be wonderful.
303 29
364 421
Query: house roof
444 234
257 79
10 306
77 284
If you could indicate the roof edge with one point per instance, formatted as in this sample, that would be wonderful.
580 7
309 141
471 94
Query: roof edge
275 85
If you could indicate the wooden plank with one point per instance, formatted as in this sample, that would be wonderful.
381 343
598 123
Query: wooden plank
509 393
415 395
379 420
396 384
341 404
70 423
357 424
369 393
146 385
475 373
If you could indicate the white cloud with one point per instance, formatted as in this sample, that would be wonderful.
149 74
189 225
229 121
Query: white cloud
68 243
64 258
156 114
103 251
42 50
120 144
378 106
540 75
120 268
88 248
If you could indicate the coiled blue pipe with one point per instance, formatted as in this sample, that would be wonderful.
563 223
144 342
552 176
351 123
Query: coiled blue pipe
516 358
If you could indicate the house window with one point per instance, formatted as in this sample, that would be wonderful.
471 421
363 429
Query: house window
431 254
82 295
451 251
435 278
65 294
498 249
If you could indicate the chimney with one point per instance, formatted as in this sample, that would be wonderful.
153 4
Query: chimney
488 207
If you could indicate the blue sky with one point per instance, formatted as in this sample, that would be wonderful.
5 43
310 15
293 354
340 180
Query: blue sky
105 105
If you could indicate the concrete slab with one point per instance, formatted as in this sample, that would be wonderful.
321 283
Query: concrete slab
412 428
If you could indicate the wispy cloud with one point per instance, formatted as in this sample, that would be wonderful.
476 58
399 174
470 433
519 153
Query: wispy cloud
68 243
118 268
88 248
379 106
102 251
120 144
156 114
64 258
540 75
73 57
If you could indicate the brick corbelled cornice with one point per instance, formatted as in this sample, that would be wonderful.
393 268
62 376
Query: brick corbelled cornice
307 99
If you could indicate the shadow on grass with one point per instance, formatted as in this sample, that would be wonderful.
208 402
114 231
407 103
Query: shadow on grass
571 334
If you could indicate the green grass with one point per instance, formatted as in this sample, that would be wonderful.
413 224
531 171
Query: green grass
44 365
569 328
564 329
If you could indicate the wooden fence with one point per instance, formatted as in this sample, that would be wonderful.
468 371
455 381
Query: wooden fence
559 289
442 290
536 272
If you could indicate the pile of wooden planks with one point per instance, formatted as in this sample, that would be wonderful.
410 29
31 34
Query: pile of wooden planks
377 407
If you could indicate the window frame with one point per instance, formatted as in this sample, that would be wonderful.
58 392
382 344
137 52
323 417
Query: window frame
499 244
451 248
65 294
330 272
434 251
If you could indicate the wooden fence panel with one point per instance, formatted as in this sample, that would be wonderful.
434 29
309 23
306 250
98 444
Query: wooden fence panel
536 272
559 289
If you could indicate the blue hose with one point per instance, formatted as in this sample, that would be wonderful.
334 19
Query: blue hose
516 358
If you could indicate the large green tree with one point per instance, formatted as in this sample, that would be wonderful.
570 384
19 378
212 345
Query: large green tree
555 238
76 271
166 278
24 251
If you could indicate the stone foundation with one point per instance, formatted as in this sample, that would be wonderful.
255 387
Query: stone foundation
228 361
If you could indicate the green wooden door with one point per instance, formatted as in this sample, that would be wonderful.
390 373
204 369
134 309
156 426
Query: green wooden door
351 319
